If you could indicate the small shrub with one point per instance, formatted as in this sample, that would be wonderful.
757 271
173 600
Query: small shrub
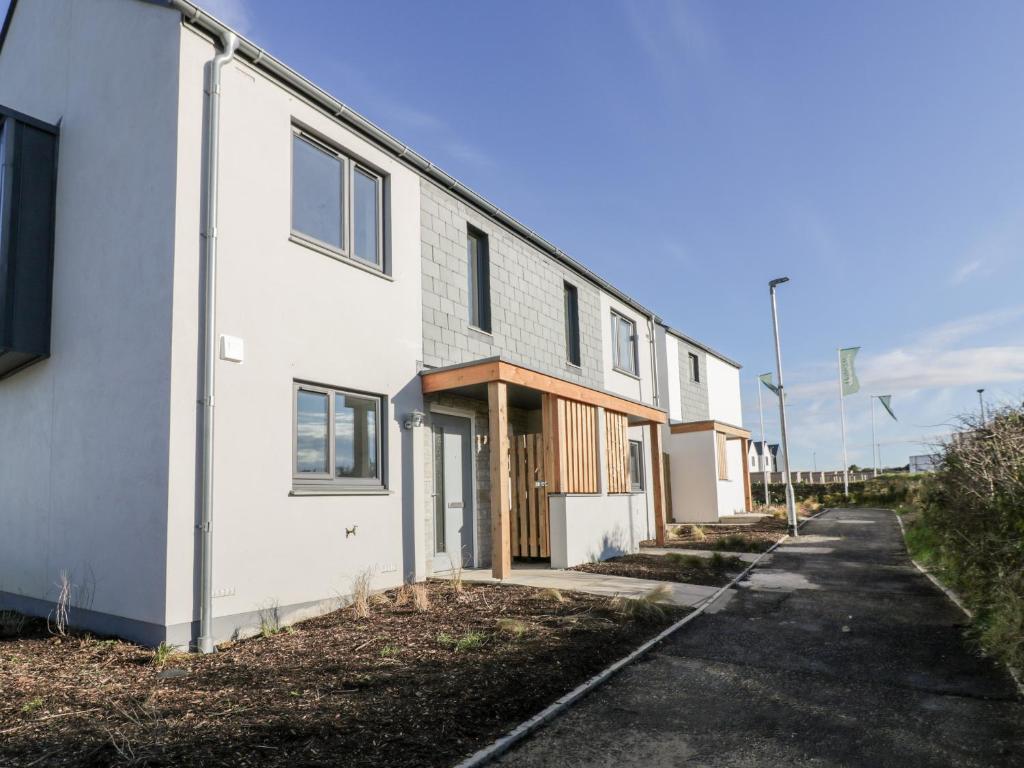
467 642
162 654
685 561
270 620
420 598
717 561
57 621
389 651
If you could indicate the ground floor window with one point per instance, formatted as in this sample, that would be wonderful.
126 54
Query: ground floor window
338 441
636 466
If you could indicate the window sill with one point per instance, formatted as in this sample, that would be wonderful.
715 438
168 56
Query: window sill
573 366
339 256
625 372
481 331
340 492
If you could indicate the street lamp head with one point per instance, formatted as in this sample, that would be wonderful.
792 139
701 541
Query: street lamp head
777 281
980 391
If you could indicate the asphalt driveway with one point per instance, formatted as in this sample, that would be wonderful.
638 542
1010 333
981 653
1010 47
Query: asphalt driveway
836 652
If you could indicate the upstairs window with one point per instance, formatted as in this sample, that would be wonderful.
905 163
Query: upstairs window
694 368
479 269
636 466
572 324
624 344
337 202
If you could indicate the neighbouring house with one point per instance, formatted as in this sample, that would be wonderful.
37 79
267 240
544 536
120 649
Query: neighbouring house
256 347
762 456
705 444
926 462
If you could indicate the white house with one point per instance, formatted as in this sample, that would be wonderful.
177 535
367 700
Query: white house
762 456
707 470
259 347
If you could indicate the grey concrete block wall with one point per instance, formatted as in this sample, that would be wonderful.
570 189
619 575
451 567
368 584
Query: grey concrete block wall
693 394
527 297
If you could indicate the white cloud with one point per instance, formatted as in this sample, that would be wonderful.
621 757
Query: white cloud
671 35
966 270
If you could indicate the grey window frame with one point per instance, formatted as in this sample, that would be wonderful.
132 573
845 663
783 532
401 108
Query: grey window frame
327 481
350 164
478 291
617 319
636 484
694 367
573 351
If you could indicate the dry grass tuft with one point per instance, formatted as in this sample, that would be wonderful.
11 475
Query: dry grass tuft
553 595
652 606
420 598
361 594
403 596
512 627
698 533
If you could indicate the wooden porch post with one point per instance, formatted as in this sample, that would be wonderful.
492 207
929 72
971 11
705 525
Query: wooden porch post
659 484
501 533
745 448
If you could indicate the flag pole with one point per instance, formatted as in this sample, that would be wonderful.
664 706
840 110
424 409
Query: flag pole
842 417
874 463
764 447
790 501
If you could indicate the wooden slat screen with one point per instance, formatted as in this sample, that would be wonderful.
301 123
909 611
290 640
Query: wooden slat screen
617 445
530 535
723 459
578 447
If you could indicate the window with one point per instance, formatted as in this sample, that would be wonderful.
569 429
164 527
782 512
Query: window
694 368
323 180
338 441
572 324
623 344
636 466
479 280
723 458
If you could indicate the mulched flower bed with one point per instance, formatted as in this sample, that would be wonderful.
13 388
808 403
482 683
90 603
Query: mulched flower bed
691 569
756 537
400 688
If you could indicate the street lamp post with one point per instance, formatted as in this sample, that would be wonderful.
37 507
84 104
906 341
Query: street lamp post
790 502
981 402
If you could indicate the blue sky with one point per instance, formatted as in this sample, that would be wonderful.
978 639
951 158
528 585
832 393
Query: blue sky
691 151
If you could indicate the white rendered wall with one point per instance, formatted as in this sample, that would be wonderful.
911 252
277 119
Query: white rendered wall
83 441
588 528
641 386
731 496
724 403
303 316
695 493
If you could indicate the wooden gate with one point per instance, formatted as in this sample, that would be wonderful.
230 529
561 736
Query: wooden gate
530 534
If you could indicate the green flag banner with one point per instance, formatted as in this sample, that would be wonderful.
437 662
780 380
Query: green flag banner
885 400
766 379
847 373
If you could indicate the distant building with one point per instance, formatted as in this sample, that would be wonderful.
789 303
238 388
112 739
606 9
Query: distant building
763 456
927 462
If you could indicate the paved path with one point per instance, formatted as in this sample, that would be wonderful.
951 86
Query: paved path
686 595
836 653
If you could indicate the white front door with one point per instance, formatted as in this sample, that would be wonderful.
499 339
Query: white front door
453 492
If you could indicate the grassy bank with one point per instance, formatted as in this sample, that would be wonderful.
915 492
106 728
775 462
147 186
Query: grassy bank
966 523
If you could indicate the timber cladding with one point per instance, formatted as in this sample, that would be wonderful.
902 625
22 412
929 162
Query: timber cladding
579 447
617 445
530 535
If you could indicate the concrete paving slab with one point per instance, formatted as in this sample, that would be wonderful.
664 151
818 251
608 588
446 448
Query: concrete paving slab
684 595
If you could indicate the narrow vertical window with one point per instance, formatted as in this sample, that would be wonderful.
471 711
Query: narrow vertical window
366 193
694 367
636 466
312 448
572 324
317 193
623 344
479 280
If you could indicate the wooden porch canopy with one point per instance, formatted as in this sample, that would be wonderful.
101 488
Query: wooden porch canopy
730 432
569 429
